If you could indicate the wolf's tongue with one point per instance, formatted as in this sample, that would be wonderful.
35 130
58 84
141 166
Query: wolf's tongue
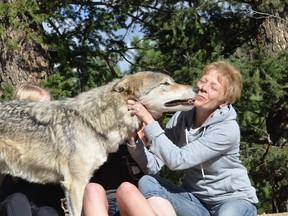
179 102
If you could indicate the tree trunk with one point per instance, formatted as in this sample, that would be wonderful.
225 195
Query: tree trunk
22 59
273 33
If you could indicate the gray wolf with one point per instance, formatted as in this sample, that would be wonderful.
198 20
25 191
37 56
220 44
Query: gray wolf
66 141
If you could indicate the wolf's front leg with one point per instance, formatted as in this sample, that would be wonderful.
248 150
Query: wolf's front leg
74 192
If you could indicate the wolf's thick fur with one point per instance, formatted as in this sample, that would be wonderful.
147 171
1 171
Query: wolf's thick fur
65 141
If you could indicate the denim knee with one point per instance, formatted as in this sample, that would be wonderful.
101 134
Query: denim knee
149 186
182 201
235 208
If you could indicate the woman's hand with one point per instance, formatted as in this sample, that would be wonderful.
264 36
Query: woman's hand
140 111
138 135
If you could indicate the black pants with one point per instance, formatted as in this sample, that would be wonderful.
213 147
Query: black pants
17 204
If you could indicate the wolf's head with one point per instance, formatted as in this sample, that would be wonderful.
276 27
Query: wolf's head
157 92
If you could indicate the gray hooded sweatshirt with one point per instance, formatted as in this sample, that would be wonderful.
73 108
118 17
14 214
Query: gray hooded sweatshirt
208 156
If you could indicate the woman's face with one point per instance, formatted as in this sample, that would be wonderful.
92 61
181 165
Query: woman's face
211 92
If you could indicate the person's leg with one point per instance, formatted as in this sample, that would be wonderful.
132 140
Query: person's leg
235 208
16 204
131 202
155 189
161 206
46 211
95 201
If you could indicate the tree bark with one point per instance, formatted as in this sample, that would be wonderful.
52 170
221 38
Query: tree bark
22 59
274 32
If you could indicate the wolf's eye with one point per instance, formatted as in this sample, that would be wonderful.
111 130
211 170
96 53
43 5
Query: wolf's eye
166 83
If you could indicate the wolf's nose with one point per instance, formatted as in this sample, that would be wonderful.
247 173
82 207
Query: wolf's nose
195 89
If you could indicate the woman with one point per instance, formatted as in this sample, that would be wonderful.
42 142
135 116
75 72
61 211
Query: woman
204 142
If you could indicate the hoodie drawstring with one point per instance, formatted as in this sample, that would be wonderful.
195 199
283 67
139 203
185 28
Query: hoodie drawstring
201 166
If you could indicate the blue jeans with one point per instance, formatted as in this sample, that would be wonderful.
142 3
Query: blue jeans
112 201
186 204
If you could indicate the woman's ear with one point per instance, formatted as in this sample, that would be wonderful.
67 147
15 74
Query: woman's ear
223 104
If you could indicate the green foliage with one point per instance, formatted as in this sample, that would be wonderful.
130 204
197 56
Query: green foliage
19 15
268 170
176 176
76 81
270 5
148 57
263 95
85 38
264 88
6 92
181 37
60 86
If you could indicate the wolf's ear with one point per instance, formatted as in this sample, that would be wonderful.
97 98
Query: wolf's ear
128 85
120 86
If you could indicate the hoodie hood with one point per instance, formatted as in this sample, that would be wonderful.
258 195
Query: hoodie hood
225 113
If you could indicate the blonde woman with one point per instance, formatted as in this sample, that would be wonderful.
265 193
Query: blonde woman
203 142
31 92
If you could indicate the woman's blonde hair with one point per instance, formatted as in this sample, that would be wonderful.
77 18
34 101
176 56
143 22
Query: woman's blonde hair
229 77
31 92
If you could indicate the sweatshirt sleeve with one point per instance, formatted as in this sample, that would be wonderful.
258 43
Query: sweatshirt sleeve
148 162
215 140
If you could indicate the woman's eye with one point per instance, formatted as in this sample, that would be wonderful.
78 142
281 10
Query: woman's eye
214 88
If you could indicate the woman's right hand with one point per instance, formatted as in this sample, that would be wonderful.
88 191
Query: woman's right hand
140 111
